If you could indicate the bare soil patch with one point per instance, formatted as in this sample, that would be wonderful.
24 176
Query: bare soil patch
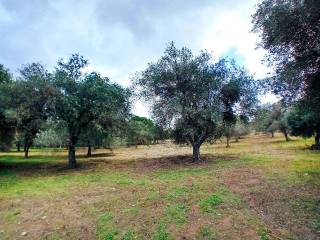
274 203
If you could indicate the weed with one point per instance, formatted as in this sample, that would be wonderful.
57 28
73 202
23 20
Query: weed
152 196
208 204
161 232
264 235
110 235
177 213
178 192
206 233
129 235
105 228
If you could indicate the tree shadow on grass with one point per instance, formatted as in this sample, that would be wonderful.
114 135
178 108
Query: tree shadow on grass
47 165
51 165
179 161
96 155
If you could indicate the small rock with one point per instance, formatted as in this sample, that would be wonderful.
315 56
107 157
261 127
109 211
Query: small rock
44 217
306 174
24 234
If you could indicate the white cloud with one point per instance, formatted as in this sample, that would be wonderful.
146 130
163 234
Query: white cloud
232 29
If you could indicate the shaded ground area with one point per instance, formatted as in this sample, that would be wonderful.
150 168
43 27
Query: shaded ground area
260 188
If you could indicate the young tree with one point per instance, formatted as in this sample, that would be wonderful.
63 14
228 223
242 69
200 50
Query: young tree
84 99
240 129
290 33
191 94
261 119
278 119
32 99
228 131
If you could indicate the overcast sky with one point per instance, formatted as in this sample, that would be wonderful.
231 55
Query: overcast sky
120 37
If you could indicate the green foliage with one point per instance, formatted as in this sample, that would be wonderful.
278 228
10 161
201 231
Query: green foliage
86 100
261 118
141 130
53 135
304 119
193 95
7 123
272 118
32 100
264 235
7 132
290 33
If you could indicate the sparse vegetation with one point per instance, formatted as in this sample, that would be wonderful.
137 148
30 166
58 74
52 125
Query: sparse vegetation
151 193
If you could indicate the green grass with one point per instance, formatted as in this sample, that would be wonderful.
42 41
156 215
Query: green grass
206 233
163 203
222 196
161 232
178 192
177 213
105 228
129 235
208 204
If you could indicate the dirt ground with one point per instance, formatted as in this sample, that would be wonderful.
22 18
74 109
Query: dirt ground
260 188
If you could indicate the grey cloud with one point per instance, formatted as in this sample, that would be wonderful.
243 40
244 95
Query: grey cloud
121 35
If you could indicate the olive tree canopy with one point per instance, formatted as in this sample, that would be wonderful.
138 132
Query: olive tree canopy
194 95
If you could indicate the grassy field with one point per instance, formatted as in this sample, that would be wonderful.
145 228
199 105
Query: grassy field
260 188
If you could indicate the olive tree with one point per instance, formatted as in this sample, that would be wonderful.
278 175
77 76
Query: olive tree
278 119
7 122
193 95
83 99
31 101
290 33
